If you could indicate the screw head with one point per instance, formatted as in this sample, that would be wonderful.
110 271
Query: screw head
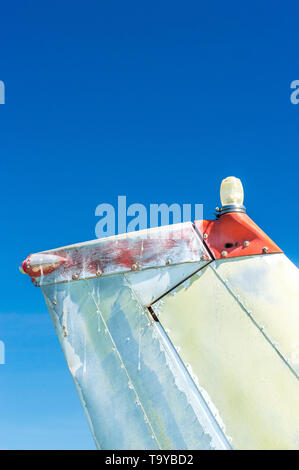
224 253
168 262
205 235
99 273
265 249
246 243
54 302
75 276
135 267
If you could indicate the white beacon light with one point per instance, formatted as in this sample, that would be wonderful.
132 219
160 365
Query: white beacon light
231 195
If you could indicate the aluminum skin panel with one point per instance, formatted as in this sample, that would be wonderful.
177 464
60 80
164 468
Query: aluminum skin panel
135 391
243 375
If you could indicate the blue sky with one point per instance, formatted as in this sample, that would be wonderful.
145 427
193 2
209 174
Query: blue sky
157 101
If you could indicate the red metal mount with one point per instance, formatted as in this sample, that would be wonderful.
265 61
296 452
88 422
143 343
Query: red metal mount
235 234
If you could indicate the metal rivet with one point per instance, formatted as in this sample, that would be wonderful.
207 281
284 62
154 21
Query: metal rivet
205 235
168 262
224 253
99 273
265 249
54 302
246 243
75 276
135 267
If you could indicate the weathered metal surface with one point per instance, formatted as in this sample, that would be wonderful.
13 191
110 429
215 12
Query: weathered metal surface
268 289
135 391
133 251
150 284
235 325
235 235
221 367
40 264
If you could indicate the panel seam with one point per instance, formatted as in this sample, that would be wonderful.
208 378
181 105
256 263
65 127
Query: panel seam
260 328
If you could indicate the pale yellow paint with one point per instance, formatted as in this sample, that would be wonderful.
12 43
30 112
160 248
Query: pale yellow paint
268 286
254 391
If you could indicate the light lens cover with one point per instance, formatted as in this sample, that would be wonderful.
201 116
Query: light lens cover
231 191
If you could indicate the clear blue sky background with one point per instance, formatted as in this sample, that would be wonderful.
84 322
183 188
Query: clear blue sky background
154 100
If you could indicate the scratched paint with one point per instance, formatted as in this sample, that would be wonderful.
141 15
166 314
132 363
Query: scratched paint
141 250
235 355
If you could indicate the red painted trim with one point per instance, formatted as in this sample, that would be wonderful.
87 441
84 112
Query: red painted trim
36 269
231 234
152 248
